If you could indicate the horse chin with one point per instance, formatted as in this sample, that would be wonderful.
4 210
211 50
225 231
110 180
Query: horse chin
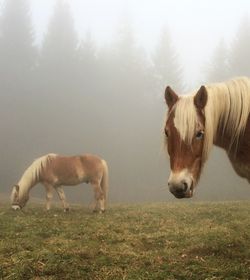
186 195
190 192
15 207
180 196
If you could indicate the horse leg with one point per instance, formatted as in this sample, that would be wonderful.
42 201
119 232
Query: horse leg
62 197
99 198
49 195
102 202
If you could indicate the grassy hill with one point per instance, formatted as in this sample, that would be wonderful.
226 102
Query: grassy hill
153 241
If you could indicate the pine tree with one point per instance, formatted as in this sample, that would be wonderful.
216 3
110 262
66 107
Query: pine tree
58 60
17 70
125 49
130 65
57 74
240 55
17 50
166 66
128 113
218 69
88 68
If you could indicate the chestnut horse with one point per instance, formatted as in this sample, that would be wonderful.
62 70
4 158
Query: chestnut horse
55 171
216 114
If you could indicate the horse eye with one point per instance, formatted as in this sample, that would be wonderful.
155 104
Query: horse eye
199 135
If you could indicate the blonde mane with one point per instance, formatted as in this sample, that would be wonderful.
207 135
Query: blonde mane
32 174
228 107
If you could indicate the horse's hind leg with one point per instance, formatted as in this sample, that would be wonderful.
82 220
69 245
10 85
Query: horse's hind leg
49 195
62 197
99 198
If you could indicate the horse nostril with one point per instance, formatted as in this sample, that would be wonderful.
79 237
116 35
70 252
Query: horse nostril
185 186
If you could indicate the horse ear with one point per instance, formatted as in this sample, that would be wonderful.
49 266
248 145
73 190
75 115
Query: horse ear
200 99
171 97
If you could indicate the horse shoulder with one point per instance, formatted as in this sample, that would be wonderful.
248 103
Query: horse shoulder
241 160
49 171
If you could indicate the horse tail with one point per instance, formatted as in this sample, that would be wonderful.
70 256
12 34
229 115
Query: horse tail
105 180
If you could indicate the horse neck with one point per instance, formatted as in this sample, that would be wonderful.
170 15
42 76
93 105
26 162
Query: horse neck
229 112
223 139
29 179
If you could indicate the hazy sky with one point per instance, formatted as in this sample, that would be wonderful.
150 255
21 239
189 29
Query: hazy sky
196 26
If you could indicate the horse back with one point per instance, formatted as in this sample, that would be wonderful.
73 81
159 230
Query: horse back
92 166
72 170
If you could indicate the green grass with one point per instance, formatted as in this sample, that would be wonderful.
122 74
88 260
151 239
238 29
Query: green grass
153 241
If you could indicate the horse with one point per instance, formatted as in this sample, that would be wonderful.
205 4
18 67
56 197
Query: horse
54 171
217 114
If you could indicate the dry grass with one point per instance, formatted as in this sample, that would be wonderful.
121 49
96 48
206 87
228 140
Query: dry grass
153 241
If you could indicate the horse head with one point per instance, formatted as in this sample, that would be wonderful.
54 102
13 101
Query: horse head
18 201
15 198
184 133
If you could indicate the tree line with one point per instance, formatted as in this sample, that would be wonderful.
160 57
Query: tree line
69 96
231 59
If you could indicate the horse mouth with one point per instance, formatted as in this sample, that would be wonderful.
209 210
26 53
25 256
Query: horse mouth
190 191
15 207
188 194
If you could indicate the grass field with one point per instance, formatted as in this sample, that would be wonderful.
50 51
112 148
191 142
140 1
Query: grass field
151 241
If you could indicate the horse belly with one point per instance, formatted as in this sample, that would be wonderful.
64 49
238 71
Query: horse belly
68 175
72 178
70 182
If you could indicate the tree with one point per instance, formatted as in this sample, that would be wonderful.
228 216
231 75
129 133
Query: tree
60 108
58 60
166 66
88 68
240 56
17 50
17 67
130 65
218 68
129 123
126 52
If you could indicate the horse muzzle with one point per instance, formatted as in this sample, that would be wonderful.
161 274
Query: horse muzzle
181 186
181 190
15 207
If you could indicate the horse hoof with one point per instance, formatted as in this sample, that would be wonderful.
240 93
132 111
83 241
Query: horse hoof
66 210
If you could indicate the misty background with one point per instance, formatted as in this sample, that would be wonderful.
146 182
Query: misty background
89 77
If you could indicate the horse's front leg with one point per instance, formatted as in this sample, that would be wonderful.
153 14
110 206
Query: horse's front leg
62 197
49 195
99 198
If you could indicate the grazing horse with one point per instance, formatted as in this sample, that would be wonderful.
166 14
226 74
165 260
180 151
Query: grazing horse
216 114
55 171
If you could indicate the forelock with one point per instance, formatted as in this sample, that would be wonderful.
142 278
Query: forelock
186 119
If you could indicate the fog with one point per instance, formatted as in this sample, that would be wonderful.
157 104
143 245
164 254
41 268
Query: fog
89 77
